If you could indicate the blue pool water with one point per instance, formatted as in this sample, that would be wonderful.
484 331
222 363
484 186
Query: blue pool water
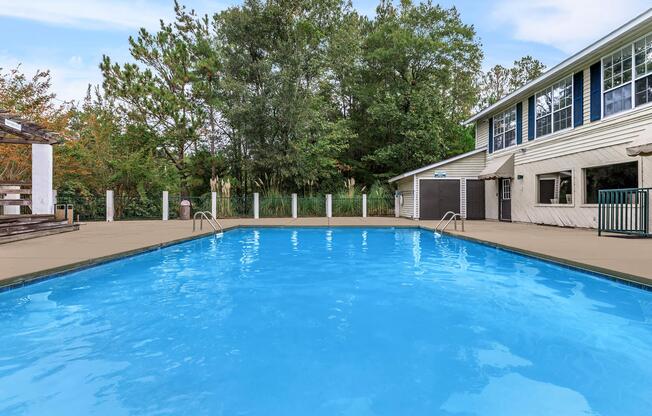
326 322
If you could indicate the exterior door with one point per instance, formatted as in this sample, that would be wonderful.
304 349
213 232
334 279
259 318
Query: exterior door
437 196
474 199
505 199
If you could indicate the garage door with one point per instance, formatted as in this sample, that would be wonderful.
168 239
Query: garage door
436 196
474 199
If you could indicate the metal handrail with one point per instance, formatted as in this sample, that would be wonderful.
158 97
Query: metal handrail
454 217
214 223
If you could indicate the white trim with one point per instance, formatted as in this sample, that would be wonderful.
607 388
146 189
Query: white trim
593 48
414 196
436 165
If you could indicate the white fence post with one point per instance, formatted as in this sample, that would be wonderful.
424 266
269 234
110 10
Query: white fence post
214 204
295 206
109 206
166 206
329 205
364 205
256 205
397 205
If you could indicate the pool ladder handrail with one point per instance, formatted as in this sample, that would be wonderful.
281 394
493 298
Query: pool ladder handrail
214 223
453 217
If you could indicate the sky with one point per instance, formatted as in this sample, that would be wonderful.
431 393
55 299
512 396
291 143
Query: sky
69 37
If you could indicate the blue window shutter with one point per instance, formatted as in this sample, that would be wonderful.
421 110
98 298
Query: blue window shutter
596 93
491 135
578 99
530 118
519 123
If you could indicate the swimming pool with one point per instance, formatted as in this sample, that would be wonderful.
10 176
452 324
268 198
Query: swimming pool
319 321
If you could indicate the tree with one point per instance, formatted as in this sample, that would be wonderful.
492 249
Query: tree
419 63
156 93
33 99
500 81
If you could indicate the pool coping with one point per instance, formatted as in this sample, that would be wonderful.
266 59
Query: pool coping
18 281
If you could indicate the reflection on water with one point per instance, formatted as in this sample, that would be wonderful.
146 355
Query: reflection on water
326 322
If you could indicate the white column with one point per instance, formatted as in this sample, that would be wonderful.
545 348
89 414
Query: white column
109 206
12 209
295 206
256 205
214 204
42 179
397 205
329 205
166 206
364 205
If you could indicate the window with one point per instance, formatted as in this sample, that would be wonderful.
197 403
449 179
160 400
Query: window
643 71
616 81
507 189
505 129
626 83
555 188
554 108
623 175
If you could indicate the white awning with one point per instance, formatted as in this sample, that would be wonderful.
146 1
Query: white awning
500 167
643 143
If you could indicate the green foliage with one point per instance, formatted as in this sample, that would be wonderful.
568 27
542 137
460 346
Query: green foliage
273 96
500 81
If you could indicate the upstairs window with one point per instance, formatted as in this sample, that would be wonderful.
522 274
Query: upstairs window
505 129
554 108
627 77
643 71
616 81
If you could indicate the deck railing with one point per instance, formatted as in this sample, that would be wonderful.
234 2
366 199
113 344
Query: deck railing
624 211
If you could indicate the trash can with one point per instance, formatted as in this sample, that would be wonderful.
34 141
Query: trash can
184 210
64 212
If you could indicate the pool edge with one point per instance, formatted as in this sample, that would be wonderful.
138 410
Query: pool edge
46 274
602 272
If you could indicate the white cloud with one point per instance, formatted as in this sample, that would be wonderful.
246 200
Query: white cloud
69 79
568 25
90 14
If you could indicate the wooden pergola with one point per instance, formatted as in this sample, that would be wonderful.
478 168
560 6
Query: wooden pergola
16 130
38 195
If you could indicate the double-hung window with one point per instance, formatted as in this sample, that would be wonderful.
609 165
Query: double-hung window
554 108
505 129
617 81
643 71
627 77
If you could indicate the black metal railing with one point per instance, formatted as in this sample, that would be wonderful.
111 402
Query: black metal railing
624 211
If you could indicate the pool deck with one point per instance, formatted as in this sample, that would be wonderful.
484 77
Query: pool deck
95 242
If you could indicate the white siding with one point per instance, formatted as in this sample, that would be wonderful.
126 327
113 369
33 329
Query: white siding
593 144
405 187
481 134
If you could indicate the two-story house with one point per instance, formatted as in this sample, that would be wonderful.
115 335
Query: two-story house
543 151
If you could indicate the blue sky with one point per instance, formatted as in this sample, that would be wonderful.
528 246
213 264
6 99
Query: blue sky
69 37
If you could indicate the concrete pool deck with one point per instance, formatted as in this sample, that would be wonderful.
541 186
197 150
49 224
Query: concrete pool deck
625 258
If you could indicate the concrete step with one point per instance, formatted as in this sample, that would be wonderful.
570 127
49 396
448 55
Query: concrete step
38 233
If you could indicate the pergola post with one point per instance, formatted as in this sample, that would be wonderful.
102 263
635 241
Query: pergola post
42 168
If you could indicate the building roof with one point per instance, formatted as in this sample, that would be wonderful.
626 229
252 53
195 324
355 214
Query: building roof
436 165
16 130
589 52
